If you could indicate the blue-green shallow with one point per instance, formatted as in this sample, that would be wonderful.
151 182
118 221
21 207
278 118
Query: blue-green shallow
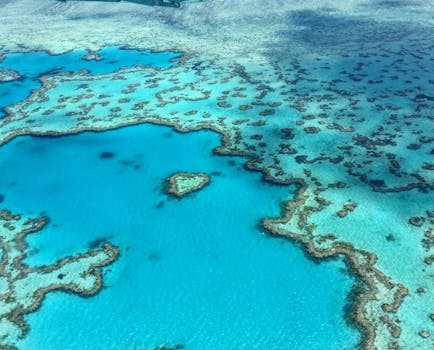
195 271
32 65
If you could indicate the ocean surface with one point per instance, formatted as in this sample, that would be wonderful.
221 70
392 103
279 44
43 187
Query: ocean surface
197 272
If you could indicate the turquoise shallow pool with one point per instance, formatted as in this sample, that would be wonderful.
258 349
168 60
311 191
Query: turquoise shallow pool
197 271
194 271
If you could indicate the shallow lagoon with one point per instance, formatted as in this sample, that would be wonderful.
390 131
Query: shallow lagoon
194 271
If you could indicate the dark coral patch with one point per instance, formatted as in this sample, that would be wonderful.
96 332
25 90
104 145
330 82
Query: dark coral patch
106 155
413 146
301 159
311 130
378 183
390 237
267 112
176 347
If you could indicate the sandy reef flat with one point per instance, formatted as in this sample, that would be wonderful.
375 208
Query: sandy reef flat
336 98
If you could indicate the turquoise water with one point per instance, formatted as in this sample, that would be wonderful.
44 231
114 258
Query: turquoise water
338 96
195 271
31 66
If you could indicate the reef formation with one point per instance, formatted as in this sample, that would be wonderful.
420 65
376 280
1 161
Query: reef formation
357 149
343 109
23 288
182 183
7 75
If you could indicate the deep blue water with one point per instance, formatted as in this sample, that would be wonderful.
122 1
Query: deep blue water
34 64
194 271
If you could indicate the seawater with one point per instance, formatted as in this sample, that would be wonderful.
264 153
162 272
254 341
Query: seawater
197 271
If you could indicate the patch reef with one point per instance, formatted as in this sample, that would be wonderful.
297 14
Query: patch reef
181 184
23 288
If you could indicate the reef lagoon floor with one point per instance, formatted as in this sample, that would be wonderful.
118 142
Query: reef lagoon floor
264 185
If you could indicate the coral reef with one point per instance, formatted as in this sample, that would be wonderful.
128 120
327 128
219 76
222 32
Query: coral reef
7 75
23 288
182 183
338 101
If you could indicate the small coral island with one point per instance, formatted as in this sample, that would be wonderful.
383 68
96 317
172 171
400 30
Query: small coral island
23 288
7 75
181 184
